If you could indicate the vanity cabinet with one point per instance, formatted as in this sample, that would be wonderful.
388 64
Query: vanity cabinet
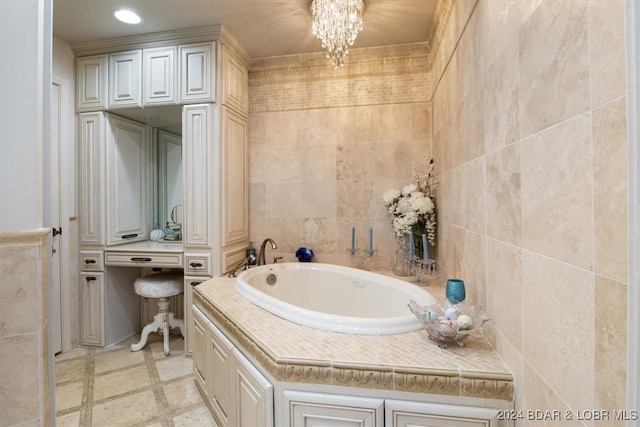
92 191
235 391
311 409
125 79
92 308
400 413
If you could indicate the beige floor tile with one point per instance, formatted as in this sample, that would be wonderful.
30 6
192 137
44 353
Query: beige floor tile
174 367
120 382
69 395
200 417
126 411
182 394
69 420
72 354
70 370
117 359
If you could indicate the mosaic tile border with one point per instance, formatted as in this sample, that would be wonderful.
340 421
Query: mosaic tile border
370 376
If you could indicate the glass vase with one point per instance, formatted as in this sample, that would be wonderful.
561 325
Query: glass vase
402 265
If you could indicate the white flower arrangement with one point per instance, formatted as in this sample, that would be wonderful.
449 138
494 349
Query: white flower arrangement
413 208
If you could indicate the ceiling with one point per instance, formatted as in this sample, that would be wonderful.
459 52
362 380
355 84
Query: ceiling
265 28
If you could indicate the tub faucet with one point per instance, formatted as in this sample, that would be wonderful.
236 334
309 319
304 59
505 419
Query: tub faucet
261 257
246 264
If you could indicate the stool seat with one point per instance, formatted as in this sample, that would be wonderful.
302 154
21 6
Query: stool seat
161 286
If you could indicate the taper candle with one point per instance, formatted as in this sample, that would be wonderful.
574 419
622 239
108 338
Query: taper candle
425 249
353 239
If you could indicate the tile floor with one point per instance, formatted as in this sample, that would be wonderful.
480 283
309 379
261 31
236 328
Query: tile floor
118 387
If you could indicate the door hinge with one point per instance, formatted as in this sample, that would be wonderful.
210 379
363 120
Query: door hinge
56 231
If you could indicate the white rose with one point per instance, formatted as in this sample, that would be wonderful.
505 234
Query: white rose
408 189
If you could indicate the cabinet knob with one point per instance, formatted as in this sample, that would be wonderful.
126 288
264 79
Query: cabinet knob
195 283
140 259
90 278
195 264
89 261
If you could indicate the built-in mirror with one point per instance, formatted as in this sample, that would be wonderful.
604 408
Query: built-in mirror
168 177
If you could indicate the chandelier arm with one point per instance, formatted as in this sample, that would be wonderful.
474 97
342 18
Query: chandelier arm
337 23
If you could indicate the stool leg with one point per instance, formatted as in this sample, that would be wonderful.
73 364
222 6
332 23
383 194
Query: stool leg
151 327
176 323
165 334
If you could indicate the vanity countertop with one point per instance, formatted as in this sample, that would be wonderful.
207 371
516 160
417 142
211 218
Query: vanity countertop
147 246
402 362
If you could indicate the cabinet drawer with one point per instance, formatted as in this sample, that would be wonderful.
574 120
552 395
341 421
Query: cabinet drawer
136 259
197 264
91 261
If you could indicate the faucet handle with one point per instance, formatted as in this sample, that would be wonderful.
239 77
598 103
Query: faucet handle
275 259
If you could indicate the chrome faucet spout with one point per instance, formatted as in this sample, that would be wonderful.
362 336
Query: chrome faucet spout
261 257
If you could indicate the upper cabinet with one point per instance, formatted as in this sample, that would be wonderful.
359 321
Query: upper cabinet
183 74
159 76
235 82
125 78
91 88
197 79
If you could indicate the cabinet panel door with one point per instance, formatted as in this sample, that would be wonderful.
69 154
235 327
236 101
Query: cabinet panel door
418 414
159 71
91 140
190 333
197 78
91 85
235 184
92 319
219 359
125 78
252 395
127 164
317 409
199 160
235 78
200 338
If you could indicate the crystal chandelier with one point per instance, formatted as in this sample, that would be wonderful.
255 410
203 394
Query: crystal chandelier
336 23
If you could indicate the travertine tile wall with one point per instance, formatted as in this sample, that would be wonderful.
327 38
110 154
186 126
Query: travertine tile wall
529 133
24 371
326 144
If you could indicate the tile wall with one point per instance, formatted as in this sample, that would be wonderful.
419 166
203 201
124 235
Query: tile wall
529 133
326 144
24 372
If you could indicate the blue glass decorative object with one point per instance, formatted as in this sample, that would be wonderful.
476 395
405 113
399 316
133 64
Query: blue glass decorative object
304 254
454 291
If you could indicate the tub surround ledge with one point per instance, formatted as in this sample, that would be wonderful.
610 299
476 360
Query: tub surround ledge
403 362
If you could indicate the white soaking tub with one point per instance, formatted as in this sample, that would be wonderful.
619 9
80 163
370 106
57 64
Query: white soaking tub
334 298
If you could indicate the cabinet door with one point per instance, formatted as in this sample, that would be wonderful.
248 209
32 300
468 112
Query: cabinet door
200 159
418 414
91 83
235 86
252 395
317 409
197 78
200 338
127 164
219 361
159 71
189 333
125 77
92 309
235 179
91 141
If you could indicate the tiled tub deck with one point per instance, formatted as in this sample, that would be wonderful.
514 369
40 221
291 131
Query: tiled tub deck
406 362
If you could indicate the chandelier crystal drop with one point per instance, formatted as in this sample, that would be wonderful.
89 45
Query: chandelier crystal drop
337 23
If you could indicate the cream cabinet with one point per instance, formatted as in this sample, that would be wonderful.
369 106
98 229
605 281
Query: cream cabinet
236 392
400 413
159 76
91 87
125 79
128 169
312 409
235 82
114 156
92 309
197 77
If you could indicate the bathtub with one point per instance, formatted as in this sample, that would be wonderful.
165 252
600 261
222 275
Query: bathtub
334 298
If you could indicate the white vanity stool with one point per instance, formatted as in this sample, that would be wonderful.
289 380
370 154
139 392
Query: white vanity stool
161 286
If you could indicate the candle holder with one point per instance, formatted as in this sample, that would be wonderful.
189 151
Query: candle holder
364 260
423 270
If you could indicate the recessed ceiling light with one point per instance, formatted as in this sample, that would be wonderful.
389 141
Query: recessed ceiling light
127 16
